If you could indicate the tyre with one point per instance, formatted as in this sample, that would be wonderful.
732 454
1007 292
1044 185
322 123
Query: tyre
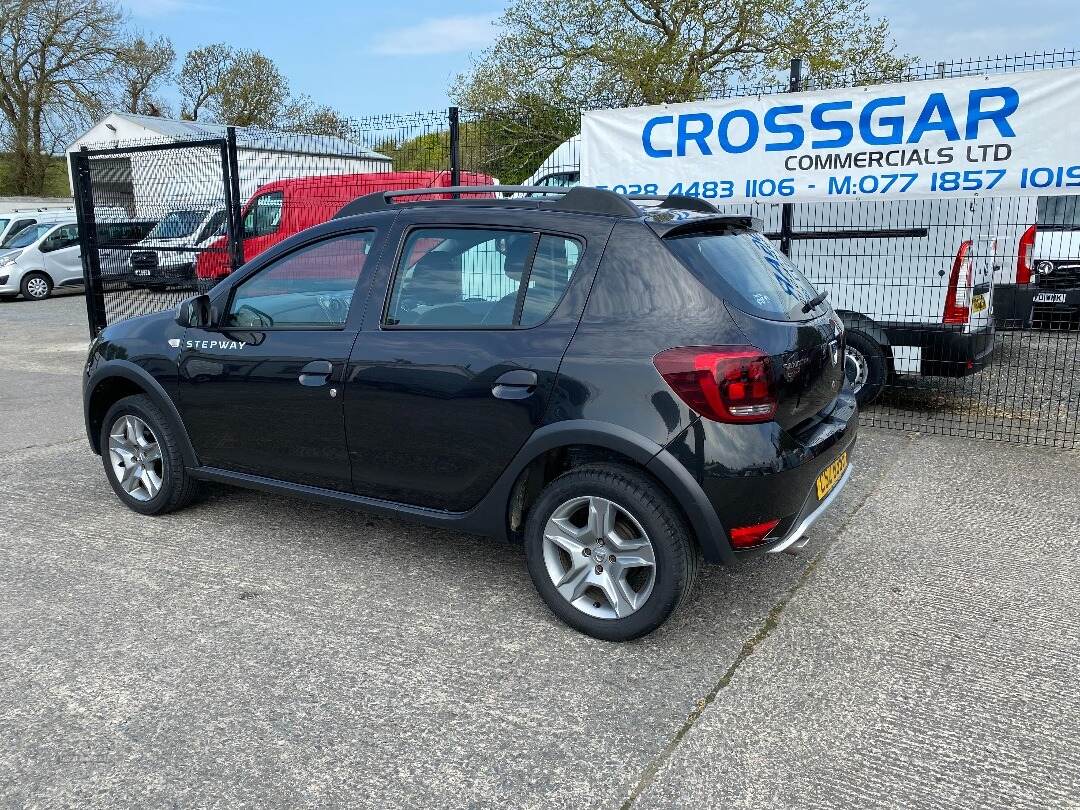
865 365
609 552
142 458
36 286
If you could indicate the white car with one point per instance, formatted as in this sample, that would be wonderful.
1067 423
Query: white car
40 258
167 255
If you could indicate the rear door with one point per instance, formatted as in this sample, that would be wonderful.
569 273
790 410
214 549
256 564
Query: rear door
453 370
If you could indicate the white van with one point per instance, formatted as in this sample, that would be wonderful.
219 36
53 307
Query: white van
913 280
12 222
40 258
167 255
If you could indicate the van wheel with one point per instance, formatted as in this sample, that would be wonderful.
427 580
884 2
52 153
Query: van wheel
36 286
865 366
609 552
142 459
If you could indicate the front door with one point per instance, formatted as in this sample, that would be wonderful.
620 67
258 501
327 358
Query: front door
262 393
452 375
61 256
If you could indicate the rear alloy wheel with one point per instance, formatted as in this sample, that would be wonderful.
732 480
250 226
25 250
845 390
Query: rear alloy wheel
36 286
864 366
609 552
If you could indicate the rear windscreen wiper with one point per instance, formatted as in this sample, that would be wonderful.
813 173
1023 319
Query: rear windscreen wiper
813 302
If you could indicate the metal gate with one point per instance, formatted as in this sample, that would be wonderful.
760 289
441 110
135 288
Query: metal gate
149 214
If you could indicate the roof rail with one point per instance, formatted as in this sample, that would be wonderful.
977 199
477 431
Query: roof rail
581 199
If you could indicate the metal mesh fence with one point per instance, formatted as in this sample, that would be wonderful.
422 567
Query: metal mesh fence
962 338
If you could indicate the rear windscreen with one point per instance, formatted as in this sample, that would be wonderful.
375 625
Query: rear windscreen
746 270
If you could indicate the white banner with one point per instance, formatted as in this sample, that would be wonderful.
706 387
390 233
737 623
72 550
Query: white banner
983 135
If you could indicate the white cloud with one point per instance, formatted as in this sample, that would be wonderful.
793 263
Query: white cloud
437 35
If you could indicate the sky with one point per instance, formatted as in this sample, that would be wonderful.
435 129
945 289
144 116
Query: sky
365 57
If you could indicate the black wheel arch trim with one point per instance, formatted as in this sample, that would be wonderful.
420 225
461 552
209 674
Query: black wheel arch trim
131 372
491 515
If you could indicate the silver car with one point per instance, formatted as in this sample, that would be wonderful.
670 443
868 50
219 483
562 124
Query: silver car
40 258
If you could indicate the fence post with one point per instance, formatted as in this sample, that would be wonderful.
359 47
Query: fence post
787 211
236 222
79 166
455 149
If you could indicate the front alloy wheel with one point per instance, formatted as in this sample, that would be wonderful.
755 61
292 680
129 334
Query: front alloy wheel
856 368
598 557
136 457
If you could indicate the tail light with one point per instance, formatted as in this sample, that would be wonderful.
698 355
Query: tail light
958 299
1024 263
722 383
747 536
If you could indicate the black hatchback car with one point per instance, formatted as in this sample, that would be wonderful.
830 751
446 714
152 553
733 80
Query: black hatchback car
627 387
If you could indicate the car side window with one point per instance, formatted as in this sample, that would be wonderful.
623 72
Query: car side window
555 261
214 227
312 287
264 215
460 277
63 237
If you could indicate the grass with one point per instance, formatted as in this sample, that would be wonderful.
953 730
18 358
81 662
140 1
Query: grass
56 177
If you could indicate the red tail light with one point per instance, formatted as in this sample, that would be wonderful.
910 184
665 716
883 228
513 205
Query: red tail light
1024 264
746 536
958 299
722 383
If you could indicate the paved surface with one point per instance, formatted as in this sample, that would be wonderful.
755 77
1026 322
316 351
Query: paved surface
253 651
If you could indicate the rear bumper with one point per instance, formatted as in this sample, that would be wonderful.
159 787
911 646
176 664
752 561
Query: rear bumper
1015 305
946 350
750 474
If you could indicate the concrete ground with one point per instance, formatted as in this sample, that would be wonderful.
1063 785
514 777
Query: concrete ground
252 651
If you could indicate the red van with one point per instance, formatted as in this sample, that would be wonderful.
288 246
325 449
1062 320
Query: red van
280 209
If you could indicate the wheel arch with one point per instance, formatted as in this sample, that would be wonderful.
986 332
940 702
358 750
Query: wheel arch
117 379
561 446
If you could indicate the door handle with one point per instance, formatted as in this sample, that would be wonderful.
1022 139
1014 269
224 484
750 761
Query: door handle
516 384
316 373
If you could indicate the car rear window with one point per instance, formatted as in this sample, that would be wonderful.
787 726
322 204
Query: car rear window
746 270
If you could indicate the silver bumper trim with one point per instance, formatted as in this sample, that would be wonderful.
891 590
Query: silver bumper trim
799 531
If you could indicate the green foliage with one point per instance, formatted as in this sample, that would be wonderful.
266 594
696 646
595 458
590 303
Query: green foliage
507 143
56 177
617 53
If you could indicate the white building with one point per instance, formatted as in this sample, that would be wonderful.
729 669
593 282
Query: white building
147 184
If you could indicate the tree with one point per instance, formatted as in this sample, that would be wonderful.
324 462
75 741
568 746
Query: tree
304 115
55 61
253 92
591 53
239 87
202 77
142 68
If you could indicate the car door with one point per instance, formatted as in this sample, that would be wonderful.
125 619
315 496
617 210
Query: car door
261 393
453 370
61 255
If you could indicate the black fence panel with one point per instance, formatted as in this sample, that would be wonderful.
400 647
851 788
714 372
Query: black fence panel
964 313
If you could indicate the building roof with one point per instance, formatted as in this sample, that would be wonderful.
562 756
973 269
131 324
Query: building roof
247 137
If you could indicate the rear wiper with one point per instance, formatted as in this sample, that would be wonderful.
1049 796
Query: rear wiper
813 302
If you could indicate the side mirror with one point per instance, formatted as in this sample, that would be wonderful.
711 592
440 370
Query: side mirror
194 311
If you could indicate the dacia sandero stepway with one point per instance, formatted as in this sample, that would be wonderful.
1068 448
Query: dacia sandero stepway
626 386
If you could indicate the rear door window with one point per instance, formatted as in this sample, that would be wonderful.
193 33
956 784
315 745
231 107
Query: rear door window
745 269
477 277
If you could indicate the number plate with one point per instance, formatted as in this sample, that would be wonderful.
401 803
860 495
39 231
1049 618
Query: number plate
978 303
1050 298
142 272
831 475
